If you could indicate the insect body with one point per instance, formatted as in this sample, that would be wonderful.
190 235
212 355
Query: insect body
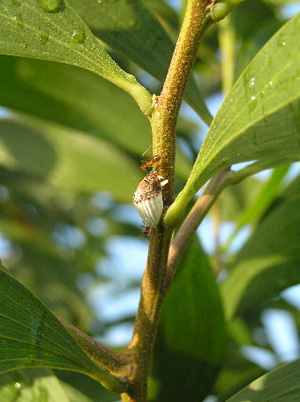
150 162
148 200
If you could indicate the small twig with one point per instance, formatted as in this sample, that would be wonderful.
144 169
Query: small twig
195 216
216 221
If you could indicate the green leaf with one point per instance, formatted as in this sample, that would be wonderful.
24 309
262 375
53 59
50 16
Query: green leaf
257 199
164 13
191 336
51 30
75 395
31 336
235 199
269 261
67 159
80 388
280 385
130 29
31 385
267 194
259 119
79 99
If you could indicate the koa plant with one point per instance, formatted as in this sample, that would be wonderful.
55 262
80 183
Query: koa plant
83 85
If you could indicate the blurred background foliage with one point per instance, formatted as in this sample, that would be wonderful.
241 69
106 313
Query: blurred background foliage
70 151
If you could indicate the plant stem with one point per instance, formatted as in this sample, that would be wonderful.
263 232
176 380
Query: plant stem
152 296
167 106
164 120
196 215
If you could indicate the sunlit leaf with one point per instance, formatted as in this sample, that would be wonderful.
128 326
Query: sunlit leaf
31 385
281 384
51 30
259 118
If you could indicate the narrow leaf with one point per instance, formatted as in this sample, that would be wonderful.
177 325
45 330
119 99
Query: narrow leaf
269 261
31 336
281 384
258 199
51 30
259 119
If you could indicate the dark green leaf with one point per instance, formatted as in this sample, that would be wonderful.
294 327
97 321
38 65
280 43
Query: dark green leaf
191 335
129 28
164 13
80 388
31 336
280 385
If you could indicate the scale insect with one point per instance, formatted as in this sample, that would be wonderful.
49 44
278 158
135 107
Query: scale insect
147 198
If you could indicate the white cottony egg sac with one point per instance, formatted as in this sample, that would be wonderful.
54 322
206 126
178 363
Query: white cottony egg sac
150 210
148 199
